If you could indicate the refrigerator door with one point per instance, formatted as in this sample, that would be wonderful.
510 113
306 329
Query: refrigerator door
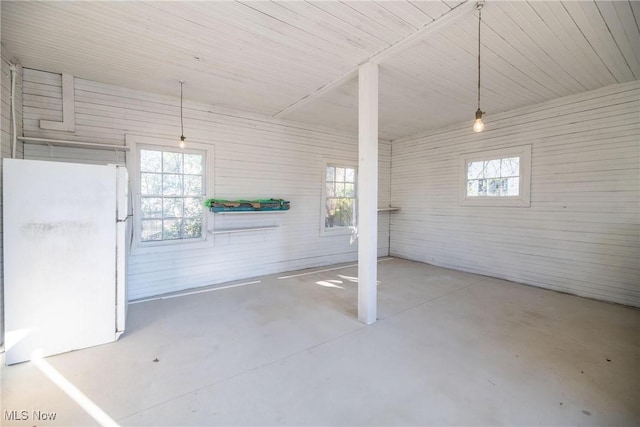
123 243
59 247
121 276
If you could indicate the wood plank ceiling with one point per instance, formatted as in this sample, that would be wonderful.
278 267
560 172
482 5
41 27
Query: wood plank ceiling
262 57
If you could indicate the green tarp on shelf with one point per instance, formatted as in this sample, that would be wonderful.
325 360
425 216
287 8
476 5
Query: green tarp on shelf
220 205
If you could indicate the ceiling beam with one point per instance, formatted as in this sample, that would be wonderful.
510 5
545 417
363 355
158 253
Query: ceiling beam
321 90
429 29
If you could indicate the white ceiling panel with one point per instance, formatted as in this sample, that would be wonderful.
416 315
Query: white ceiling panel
337 108
434 9
531 52
265 57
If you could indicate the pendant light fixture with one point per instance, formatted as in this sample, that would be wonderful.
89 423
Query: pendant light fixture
478 125
182 137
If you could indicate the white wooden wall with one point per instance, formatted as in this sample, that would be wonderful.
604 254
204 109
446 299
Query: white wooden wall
582 232
73 154
254 157
5 148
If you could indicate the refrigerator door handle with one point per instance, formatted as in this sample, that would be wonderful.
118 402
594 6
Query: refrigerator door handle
125 218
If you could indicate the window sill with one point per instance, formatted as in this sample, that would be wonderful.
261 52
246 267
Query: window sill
496 202
169 246
336 231
241 230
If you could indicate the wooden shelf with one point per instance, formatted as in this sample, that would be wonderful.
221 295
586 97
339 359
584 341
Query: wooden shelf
389 209
241 230
63 143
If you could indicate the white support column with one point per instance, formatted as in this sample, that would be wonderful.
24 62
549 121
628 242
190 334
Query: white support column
367 192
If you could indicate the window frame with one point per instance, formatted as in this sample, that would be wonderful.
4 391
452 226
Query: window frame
135 144
524 197
340 230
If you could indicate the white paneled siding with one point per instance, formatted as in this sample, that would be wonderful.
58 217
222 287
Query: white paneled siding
6 148
582 232
254 157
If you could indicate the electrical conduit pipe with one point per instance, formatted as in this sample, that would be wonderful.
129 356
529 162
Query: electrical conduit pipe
14 70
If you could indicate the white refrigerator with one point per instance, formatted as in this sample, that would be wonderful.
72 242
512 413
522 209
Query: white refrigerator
66 242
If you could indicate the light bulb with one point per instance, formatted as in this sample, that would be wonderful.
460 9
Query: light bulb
478 125
182 139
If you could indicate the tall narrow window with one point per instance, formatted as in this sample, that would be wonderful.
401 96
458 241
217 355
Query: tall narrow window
171 194
339 197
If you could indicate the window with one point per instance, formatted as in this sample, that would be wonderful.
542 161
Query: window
169 186
171 194
339 198
496 178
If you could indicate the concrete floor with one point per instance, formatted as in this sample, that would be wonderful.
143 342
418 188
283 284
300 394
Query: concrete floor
450 348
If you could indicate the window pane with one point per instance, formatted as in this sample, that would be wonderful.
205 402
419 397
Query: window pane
350 190
504 187
193 164
492 169
472 187
171 162
192 185
343 212
475 170
151 183
192 207
171 229
151 207
150 161
339 189
151 230
339 174
172 185
350 175
192 228
511 166
513 186
482 187
331 173
331 189
172 207
330 212
497 187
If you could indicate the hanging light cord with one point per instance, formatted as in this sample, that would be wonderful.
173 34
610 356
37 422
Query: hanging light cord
479 6
181 124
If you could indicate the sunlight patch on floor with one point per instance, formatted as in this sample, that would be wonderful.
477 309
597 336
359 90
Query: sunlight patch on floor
330 283
72 391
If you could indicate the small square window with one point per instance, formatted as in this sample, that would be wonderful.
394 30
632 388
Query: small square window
496 178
